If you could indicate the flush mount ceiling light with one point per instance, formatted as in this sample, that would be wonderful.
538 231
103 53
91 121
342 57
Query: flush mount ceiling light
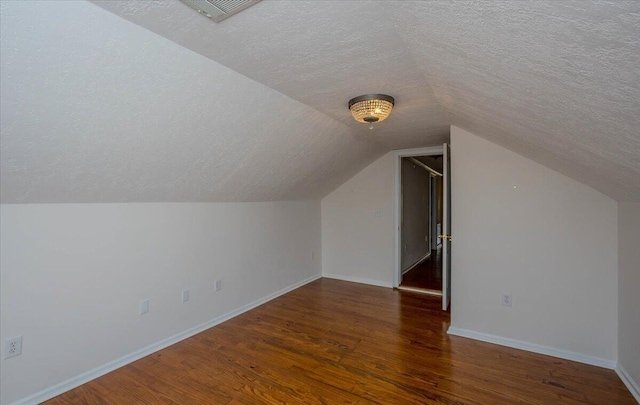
371 108
218 10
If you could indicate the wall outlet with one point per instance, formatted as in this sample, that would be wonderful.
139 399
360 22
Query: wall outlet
218 285
13 347
506 300
185 295
144 307
378 212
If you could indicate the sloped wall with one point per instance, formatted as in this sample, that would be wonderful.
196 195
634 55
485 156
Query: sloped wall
72 276
96 109
357 226
551 242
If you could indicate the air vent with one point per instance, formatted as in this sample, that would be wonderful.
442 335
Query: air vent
218 10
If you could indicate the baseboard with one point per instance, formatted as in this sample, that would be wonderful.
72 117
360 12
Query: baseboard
629 382
531 347
358 280
87 376
417 262
421 291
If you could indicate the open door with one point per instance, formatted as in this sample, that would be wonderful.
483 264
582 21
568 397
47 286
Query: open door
446 228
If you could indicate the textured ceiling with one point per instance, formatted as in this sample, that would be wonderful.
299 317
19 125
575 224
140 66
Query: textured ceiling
95 109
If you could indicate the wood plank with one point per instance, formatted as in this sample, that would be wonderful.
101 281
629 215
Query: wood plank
337 342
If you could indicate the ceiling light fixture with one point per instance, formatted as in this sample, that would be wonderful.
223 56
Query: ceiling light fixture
371 108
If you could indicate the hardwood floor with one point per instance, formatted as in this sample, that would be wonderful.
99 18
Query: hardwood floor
427 274
334 342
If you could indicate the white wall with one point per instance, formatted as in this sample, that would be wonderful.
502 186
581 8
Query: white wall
551 243
357 245
72 276
629 292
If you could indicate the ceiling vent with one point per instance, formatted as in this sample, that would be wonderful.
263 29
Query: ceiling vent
218 10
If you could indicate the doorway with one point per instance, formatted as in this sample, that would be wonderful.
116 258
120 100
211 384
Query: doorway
436 243
421 216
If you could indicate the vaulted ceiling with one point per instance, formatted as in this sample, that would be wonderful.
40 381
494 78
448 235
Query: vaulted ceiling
150 101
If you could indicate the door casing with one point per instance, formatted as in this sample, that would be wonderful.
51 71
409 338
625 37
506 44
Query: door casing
397 201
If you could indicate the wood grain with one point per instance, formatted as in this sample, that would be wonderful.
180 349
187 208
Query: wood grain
427 274
334 342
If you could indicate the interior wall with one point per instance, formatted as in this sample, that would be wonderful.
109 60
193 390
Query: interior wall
523 229
629 292
415 213
357 226
72 276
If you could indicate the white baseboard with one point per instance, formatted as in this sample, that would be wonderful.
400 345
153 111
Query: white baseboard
421 291
417 262
532 347
359 280
632 385
87 376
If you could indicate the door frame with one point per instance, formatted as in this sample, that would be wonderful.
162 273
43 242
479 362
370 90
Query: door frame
397 201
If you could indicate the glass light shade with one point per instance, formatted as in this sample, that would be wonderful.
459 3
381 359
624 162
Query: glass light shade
371 108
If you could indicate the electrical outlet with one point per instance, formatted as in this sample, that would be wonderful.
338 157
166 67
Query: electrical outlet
144 307
185 295
13 347
218 285
506 300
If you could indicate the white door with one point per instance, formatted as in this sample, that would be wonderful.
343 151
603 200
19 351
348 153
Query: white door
446 228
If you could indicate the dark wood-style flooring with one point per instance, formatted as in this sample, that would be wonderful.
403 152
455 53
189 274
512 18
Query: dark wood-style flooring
335 342
427 274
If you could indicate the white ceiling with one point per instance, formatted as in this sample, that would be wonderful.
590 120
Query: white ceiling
95 109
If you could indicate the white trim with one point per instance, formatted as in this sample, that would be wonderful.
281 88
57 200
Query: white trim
420 291
532 347
628 381
417 262
360 280
426 151
87 376
397 154
446 227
